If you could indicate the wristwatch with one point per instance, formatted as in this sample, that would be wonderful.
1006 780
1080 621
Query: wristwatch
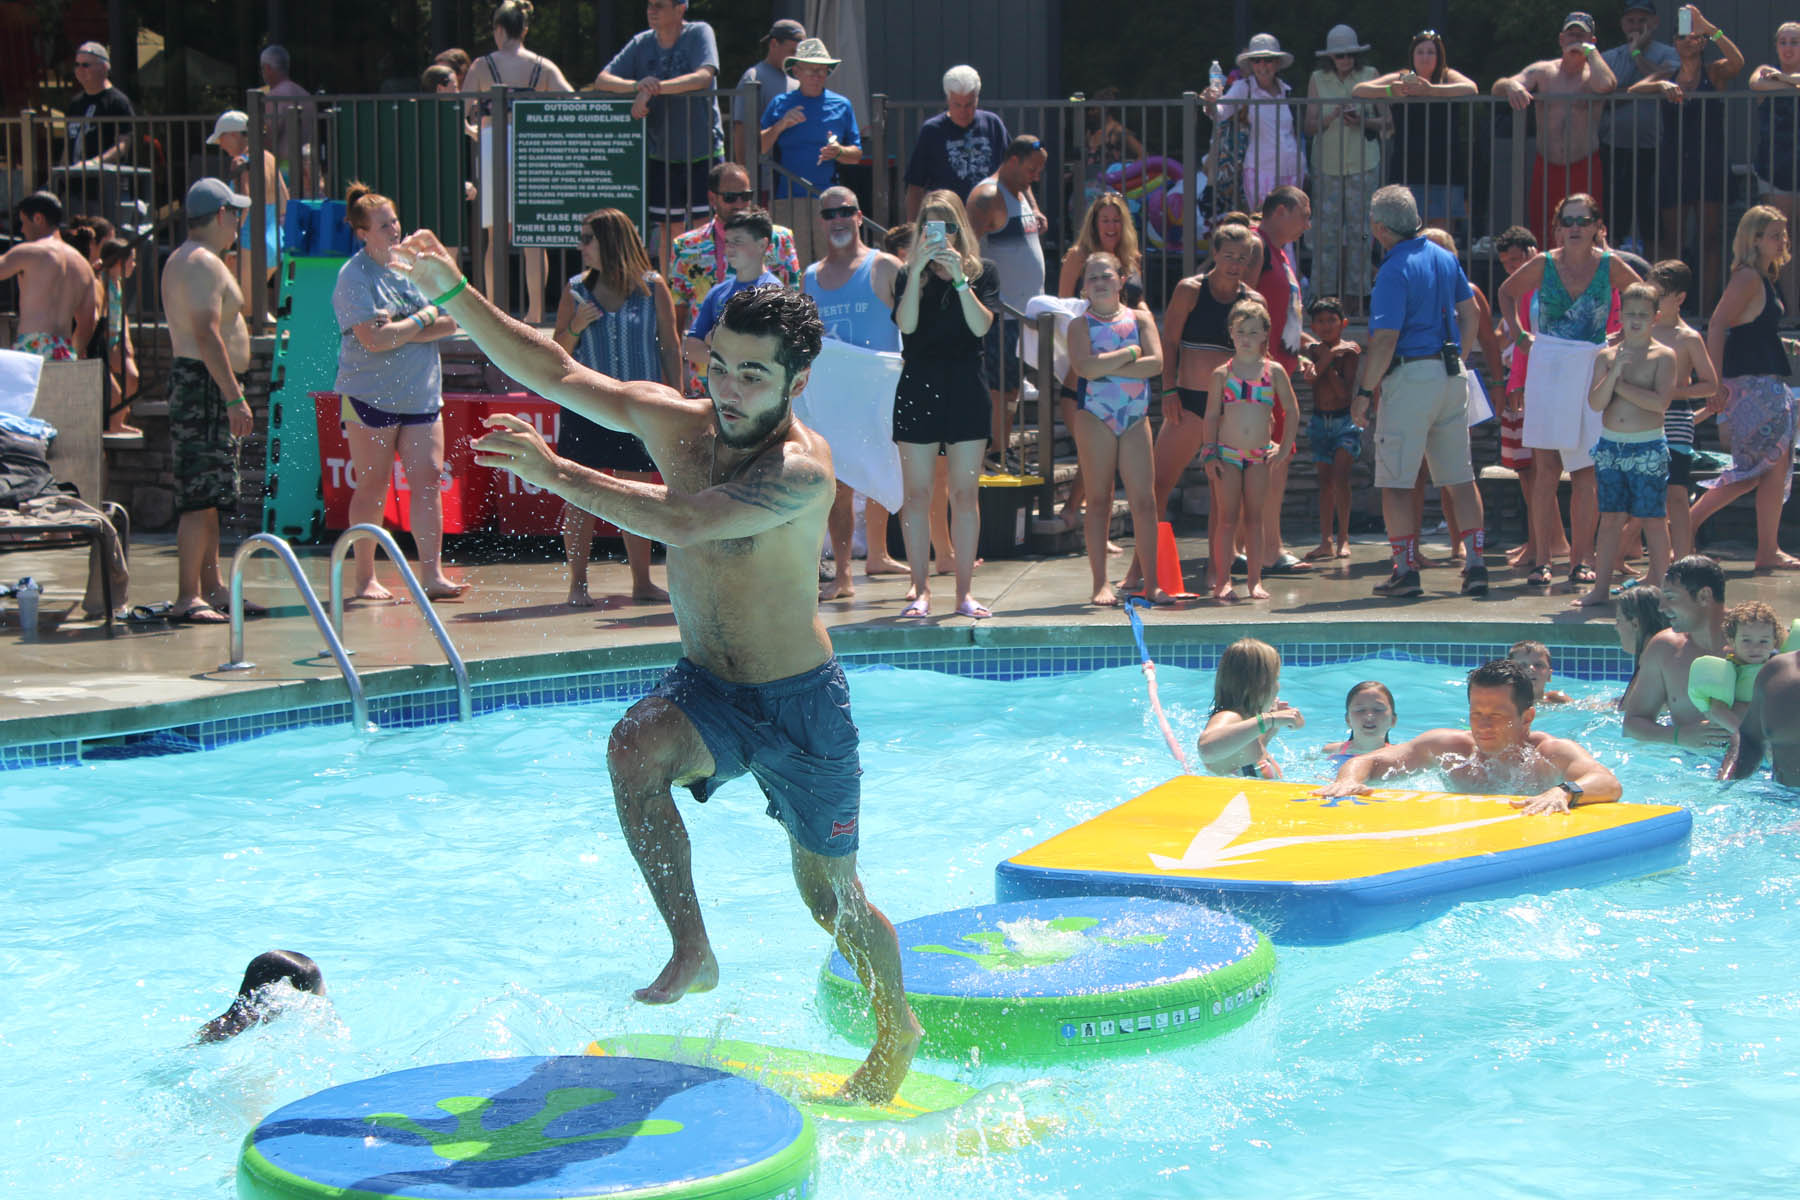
1574 791
1363 391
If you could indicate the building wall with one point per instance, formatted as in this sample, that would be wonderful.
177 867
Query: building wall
1015 44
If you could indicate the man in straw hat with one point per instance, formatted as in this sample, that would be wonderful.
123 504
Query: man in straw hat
809 130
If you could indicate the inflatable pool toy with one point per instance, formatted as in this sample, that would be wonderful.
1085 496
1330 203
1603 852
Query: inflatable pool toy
1727 680
942 1111
1315 871
1145 184
512 1128
1057 979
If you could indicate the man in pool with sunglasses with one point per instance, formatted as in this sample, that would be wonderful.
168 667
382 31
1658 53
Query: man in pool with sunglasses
1498 753
742 510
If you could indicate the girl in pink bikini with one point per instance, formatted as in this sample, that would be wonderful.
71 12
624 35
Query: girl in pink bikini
1237 451
1115 352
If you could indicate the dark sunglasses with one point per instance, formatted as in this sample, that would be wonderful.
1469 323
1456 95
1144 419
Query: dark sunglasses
1576 222
843 210
735 197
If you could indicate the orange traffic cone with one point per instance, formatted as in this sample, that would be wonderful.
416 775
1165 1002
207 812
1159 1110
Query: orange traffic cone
1168 561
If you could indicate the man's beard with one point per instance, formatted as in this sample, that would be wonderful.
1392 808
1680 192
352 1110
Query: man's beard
754 434
840 240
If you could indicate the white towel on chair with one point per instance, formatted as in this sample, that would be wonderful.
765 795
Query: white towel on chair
1064 309
1557 416
19 373
849 400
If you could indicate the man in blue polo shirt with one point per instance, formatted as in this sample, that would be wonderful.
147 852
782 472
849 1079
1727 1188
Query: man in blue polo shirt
1414 355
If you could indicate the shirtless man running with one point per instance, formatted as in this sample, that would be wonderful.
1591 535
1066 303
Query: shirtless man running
1568 137
56 284
1694 603
1771 725
208 411
742 510
1498 753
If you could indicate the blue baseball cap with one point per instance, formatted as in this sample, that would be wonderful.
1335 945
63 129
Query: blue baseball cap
208 196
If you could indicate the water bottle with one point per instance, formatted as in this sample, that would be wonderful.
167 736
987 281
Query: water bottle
27 593
1215 76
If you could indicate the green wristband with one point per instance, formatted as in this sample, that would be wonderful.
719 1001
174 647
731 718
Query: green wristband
240 400
452 293
1262 723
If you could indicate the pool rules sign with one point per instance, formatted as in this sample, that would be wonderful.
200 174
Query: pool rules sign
570 157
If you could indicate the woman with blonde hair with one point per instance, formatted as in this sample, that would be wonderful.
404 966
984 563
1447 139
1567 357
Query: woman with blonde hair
392 382
517 69
618 318
1246 712
1756 409
945 300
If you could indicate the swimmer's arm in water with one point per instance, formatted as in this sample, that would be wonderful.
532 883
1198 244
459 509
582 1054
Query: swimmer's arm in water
652 411
773 491
1746 753
1232 740
1598 785
1403 758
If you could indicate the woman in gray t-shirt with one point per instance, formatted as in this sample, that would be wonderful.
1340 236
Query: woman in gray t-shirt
392 384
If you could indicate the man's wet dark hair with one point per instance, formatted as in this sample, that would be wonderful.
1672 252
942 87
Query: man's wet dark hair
1330 304
790 317
271 966
1024 146
1504 673
43 204
1515 237
756 220
1694 572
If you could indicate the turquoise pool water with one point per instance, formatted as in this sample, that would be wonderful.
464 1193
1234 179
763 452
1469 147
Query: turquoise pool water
467 893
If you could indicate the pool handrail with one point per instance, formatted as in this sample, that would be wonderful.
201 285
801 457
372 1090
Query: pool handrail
340 550
359 704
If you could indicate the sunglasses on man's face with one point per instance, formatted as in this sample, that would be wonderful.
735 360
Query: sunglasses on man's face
832 214
735 197
1576 222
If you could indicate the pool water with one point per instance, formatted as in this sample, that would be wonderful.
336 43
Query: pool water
468 894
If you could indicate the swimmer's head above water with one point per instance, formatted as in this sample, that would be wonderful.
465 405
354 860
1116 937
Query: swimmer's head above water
253 1004
762 353
1501 705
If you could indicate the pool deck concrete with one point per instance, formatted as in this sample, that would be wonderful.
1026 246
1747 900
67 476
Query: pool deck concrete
72 682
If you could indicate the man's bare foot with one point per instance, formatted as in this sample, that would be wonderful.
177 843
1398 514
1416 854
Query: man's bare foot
648 593
1783 561
371 591
579 597
878 1080
1591 599
1113 548
1258 592
1516 555
884 566
684 973
1105 597
1323 550
838 589
442 588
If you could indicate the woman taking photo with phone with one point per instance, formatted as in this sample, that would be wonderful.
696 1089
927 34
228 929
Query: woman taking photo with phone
945 299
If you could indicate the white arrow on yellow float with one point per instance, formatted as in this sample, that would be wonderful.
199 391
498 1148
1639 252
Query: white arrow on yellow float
1212 843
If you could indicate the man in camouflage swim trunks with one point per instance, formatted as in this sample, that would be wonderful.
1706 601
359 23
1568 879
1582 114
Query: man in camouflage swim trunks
208 411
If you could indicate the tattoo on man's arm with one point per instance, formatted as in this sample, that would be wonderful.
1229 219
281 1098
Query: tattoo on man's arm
779 495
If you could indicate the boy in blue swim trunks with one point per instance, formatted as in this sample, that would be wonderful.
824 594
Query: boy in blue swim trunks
1336 440
1632 386
742 507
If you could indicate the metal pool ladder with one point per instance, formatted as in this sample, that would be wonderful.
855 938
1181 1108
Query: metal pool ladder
340 550
332 627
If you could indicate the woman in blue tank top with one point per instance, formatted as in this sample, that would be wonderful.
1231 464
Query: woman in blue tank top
617 317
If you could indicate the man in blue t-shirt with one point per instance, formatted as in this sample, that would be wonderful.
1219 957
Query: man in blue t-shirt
747 237
1414 354
959 147
683 133
809 131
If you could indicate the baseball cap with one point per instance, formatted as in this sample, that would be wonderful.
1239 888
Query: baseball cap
208 196
95 50
1639 6
1584 20
230 121
785 31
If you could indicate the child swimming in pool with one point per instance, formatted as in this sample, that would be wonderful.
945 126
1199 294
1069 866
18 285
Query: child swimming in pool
256 1002
1237 451
1369 710
1753 632
1535 658
1246 712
